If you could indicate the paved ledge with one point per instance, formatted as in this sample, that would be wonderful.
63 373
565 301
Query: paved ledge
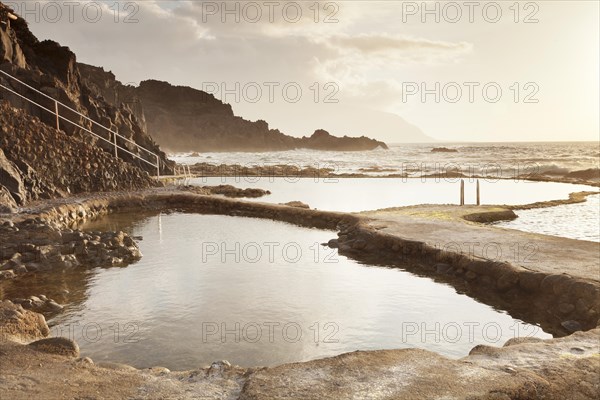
451 227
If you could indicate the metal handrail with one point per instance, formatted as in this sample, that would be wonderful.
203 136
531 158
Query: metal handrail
60 117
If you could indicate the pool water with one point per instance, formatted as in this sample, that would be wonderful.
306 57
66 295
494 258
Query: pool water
256 293
361 194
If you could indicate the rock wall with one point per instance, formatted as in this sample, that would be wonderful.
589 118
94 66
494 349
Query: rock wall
38 162
53 70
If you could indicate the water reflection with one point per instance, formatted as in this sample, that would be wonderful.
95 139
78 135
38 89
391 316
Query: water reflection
350 195
254 292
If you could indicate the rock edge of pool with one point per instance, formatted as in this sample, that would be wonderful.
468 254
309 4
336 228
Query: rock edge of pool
566 305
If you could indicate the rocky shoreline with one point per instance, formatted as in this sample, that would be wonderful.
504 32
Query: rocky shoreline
590 177
43 238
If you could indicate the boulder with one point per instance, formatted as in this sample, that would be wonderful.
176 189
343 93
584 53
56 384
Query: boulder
11 180
8 204
58 345
20 325
297 204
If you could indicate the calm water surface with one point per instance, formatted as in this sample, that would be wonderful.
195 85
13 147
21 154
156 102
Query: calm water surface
576 221
360 194
254 292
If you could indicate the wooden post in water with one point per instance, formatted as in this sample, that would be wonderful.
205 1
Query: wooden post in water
478 196
462 192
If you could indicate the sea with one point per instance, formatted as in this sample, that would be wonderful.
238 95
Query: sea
507 160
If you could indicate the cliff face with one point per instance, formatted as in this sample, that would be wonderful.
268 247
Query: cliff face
54 70
182 119
186 119
178 118
39 162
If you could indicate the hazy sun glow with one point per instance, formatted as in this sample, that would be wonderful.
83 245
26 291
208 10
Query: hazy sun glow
388 65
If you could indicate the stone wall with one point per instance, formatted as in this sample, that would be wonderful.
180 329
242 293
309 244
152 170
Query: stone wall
38 162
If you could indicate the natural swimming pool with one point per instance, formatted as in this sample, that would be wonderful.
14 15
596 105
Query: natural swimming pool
254 292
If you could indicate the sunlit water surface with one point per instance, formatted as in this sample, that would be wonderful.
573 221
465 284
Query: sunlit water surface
499 159
254 292
360 194
576 221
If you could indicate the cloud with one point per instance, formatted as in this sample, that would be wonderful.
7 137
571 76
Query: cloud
179 43
377 43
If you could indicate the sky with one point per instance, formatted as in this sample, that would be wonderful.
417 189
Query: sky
393 70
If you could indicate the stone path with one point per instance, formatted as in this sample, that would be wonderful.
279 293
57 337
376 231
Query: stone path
445 228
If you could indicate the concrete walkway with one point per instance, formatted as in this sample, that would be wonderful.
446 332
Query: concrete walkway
445 227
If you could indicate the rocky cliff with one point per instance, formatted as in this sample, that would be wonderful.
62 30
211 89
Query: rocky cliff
39 161
53 70
182 119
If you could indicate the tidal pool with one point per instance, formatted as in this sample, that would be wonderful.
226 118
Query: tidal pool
360 194
575 221
254 292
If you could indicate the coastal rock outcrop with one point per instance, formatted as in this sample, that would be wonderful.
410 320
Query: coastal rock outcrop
322 140
41 245
10 183
443 150
20 325
183 119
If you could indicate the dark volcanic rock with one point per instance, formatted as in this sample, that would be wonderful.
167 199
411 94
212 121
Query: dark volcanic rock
443 150
58 345
53 70
297 204
588 174
10 50
322 140
7 202
10 180
185 119
37 161
232 191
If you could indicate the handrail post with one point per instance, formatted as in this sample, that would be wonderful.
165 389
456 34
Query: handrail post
57 116
478 195
157 166
115 142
